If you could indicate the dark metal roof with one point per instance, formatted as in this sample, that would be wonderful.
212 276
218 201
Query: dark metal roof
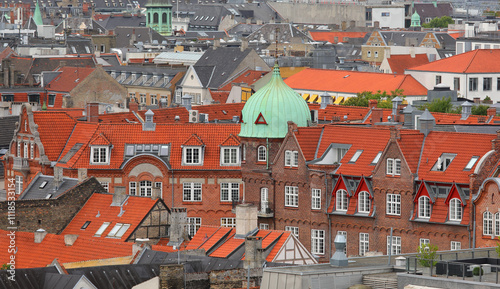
25 278
59 281
35 190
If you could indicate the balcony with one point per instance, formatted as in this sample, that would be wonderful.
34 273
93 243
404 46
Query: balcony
265 210
21 164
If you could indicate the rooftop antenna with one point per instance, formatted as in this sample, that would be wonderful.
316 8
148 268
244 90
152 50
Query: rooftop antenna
276 49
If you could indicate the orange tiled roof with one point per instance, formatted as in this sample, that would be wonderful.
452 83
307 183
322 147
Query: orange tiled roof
231 245
278 246
69 78
410 144
31 255
308 138
330 35
338 112
399 63
75 113
100 140
231 140
464 145
98 210
474 61
249 77
54 140
353 82
203 234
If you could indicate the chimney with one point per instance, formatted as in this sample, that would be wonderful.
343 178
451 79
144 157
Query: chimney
69 240
253 252
133 106
412 52
326 99
92 112
216 43
119 196
82 174
58 177
5 74
396 102
466 109
377 115
156 193
339 258
427 122
178 220
343 25
408 116
11 77
40 235
133 38
372 103
246 219
376 24
491 111
352 24
244 45
387 52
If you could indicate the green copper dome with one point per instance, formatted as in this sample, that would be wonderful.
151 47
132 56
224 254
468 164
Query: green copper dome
267 113
415 20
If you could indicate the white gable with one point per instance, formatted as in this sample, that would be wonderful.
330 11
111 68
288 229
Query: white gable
293 252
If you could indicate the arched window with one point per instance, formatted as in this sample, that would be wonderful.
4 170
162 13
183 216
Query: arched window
364 202
164 18
261 154
155 17
149 18
341 200
487 223
455 210
424 207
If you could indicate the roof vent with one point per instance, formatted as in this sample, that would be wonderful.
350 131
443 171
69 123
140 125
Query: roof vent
339 258
40 235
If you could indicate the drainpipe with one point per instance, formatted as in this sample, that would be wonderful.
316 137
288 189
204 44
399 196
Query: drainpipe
474 227
173 184
267 152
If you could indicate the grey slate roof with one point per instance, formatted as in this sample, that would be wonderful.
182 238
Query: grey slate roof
432 10
60 281
215 66
34 191
8 124
286 33
26 278
205 34
243 30
142 34
113 22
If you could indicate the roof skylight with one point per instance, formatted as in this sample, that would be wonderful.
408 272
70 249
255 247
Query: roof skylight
471 163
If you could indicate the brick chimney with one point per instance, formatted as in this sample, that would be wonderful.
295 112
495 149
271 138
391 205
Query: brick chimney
133 106
377 115
93 112
40 235
372 103
253 252
244 45
58 177
491 111
178 220
246 219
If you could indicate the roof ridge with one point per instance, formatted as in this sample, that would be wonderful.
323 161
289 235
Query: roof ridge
471 60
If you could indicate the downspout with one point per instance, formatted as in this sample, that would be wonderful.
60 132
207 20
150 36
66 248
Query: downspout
474 227
267 152
173 180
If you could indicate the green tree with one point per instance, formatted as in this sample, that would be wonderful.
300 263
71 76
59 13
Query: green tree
439 22
384 99
5 267
480 110
427 253
441 105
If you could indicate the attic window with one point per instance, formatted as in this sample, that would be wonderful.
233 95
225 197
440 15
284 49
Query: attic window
48 196
85 225
163 151
129 150
376 159
471 163
118 230
212 19
443 162
195 18
101 230
43 184
356 156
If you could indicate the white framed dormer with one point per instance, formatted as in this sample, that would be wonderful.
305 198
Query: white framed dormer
230 156
192 155
99 155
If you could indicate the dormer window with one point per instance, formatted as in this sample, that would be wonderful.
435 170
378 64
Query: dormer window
471 163
230 156
443 162
192 155
99 155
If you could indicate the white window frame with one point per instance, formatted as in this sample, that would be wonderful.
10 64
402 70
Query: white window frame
396 245
424 207
233 152
393 167
364 243
455 245
291 159
496 223
118 230
228 222
364 202
132 188
193 225
190 190
341 201
227 190
291 196
393 204
19 185
99 155
105 185
318 242
18 148
145 188
294 230
101 229
263 226
423 241
487 223
186 151
316 199
261 154
32 150
25 155
455 210
264 199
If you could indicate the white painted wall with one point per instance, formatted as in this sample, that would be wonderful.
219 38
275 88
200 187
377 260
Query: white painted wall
395 16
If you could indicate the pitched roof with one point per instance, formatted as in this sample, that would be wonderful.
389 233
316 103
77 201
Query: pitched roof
98 210
308 138
69 78
331 35
474 61
353 82
53 140
399 63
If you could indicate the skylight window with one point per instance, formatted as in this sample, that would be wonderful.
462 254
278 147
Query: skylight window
356 156
443 162
101 230
118 230
43 184
48 196
471 163
85 225
377 158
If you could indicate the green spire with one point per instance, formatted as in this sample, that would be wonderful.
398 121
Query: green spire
267 113
415 20
37 17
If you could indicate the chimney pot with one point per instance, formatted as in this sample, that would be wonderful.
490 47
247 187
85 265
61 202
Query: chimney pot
40 235
93 112
69 240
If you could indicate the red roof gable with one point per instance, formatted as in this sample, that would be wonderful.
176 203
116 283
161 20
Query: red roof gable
308 138
98 210
69 78
278 246
474 61
353 82
410 144
55 128
248 77
193 140
399 63
330 35
231 140
100 140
